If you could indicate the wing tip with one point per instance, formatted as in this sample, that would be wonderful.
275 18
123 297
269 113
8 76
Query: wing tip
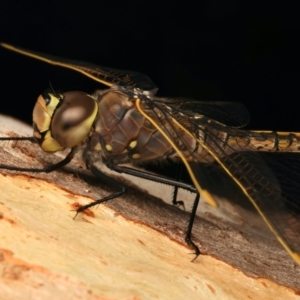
296 257
209 198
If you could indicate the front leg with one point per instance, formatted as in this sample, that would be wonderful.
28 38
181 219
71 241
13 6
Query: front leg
122 189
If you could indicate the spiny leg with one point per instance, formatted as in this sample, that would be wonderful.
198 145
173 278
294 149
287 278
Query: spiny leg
176 202
148 176
171 182
106 179
188 238
46 169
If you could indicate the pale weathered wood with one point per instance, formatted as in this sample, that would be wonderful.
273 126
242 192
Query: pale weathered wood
45 254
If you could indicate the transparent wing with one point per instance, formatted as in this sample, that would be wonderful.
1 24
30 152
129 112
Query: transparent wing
104 75
232 114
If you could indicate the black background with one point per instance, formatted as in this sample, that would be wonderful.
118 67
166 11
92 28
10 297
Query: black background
245 51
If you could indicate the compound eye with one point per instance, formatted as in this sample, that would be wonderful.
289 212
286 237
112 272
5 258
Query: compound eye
73 119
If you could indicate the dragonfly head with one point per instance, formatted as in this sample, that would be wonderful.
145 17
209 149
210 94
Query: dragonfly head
63 120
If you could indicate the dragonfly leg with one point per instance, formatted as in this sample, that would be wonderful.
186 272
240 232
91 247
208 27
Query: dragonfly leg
19 138
106 179
176 202
178 184
188 238
148 176
156 178
46 169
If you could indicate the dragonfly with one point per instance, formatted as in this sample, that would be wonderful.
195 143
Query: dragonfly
128 123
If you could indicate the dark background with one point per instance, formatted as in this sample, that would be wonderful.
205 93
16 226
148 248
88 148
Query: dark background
245 51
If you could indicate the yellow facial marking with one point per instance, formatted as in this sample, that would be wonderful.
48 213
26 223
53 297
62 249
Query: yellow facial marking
49 144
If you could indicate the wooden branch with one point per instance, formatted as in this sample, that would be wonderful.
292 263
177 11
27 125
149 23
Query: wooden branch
131 248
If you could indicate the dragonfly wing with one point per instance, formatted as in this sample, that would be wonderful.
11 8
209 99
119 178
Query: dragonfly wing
232 114
234 208
104 75
285 166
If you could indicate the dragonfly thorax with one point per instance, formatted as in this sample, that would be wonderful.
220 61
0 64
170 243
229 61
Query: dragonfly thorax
64 120
123 134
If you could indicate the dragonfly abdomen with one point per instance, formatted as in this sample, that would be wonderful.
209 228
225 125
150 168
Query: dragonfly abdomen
235 140
266 141
225 141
